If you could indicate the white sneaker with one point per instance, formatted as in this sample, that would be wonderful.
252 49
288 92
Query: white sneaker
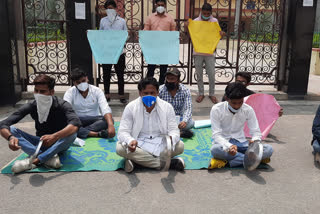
22 165
128 166
53 162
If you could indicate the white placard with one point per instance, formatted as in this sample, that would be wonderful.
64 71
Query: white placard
308 3
80 10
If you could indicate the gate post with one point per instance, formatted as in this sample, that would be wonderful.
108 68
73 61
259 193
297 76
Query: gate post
300 36
80 51
10 86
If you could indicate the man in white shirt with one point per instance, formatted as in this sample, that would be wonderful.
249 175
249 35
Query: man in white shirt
227 122
144 124
91 106
114 22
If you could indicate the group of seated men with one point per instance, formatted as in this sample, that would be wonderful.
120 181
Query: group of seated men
159 111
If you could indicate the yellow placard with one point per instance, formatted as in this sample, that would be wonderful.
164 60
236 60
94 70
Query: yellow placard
205 36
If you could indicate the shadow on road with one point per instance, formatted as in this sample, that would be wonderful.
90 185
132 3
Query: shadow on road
38 180
133 180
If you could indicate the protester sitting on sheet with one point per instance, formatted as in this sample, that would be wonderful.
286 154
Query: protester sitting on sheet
91 106
316 136
159 21
245 79
179 96
144 123
227 124
56 126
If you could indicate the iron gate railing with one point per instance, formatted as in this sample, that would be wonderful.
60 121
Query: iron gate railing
252 43
46 39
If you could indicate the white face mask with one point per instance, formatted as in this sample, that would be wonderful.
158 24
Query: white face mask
111 14
44 103
83 86
161 9
232 109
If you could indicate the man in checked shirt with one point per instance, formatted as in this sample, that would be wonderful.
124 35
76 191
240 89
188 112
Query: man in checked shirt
179 97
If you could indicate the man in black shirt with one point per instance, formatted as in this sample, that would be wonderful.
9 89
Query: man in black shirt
56 126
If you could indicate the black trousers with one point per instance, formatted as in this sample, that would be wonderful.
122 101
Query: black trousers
163 70
119 68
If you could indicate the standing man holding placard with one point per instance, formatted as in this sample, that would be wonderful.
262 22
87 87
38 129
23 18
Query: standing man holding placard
208 59
113 22
159 21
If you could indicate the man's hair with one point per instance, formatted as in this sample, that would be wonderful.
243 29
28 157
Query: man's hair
161 1
43 79
207 7
148 81
235 90
110 2
245 75
77 74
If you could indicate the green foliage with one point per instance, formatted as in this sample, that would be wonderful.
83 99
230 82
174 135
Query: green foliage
45 32
316 40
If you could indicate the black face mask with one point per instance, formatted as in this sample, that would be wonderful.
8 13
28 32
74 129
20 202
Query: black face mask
171 85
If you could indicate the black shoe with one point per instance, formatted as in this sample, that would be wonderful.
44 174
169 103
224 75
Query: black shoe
123 101
103 134
186 134
177 164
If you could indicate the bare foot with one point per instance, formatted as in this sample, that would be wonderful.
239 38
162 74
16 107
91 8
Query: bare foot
200 98
213 99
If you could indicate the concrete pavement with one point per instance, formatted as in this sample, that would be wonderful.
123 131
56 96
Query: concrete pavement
291 185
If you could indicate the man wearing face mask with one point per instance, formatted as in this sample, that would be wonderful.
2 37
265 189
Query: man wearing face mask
91 106
208 59
179 97
227 123
56 126
159 21
114 22
144 123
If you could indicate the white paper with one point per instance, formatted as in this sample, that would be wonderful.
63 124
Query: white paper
80 10
79 142
308 3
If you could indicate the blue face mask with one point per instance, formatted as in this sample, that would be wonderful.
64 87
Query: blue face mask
205 18
232 109
149 100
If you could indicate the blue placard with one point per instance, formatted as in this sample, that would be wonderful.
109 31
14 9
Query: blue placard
160 47
107 45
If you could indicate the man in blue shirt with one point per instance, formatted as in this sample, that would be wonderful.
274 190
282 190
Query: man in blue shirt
179 97
316 136
113 22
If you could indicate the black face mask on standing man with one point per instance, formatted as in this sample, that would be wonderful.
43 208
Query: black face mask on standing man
170 85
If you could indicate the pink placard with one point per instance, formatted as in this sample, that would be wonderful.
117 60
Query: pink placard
267 112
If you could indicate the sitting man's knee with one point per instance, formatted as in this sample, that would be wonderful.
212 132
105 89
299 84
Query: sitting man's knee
120 150
216 148
268 149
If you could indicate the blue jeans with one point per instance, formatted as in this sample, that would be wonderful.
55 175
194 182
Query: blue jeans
237 160
91 124
316 146
29 144
190 125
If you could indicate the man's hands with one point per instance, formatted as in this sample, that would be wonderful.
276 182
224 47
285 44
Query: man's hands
48 140
111 131
182 125
222 33
14 143
233 150
281 112
133 145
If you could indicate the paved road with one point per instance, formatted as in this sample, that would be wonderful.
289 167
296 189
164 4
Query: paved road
290 186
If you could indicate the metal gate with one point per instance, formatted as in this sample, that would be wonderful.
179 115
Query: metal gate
252 43
46 40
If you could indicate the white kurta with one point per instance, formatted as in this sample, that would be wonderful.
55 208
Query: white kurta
226 125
